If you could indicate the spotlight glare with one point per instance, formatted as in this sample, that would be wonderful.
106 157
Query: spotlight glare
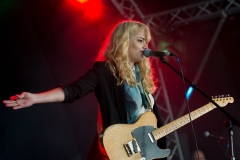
82 1
189 92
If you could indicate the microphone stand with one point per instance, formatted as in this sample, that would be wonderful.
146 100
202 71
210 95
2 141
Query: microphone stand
221 150
232 121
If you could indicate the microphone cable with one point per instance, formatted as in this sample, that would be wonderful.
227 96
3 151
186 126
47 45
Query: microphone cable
185 93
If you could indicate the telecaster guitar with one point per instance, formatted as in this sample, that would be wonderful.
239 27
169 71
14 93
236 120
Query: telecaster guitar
138 141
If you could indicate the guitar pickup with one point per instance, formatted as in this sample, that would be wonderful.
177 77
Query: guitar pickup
132 147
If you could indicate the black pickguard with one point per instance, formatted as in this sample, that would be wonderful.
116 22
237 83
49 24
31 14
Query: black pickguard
149 149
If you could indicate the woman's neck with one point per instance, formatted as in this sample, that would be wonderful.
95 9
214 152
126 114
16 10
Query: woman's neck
131 65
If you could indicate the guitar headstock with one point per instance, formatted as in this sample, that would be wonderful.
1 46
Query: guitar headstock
222 100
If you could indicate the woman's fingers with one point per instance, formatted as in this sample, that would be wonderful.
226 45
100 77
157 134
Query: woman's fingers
17 101
10 103
21 95
18 106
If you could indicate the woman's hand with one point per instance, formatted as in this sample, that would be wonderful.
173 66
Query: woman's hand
25 99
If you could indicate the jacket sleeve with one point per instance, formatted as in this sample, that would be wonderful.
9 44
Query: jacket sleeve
82 86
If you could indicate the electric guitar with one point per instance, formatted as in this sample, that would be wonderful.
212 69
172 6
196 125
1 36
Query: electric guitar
138 141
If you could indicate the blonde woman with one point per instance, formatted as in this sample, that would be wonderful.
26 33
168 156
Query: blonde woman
121 78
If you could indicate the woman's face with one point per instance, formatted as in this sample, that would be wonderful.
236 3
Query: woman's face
137 45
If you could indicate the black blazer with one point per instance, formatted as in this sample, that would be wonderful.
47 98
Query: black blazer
110 97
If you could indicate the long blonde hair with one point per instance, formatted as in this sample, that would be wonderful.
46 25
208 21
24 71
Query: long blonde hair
115 52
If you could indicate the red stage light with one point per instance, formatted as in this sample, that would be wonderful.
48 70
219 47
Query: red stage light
82 1
92 9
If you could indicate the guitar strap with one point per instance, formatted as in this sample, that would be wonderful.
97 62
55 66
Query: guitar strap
149 101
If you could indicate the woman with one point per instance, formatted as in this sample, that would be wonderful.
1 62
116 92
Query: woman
121 79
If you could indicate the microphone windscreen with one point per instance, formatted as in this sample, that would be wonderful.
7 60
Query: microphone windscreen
146 52
206 134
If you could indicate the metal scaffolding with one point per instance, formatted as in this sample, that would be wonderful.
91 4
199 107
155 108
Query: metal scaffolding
162 22
167 20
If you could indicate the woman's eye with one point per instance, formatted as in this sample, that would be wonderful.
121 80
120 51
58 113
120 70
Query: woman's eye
140 40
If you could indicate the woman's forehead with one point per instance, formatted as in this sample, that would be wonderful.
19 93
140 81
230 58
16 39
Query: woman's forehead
139 33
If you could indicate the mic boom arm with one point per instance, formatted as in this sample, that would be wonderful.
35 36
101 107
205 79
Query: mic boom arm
230 116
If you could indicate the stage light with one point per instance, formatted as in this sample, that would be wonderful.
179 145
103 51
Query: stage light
82 1
189 92
92 9
171 46
165 50
163 45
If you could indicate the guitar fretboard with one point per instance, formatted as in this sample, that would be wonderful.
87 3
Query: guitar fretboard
174 125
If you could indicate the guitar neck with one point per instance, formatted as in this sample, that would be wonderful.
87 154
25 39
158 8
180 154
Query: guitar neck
174 125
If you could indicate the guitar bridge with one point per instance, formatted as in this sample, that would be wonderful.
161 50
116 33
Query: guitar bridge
132 147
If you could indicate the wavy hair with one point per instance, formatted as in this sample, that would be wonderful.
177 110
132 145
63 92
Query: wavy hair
115 52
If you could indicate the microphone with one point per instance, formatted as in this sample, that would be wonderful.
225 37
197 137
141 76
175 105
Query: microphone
207 134
148 53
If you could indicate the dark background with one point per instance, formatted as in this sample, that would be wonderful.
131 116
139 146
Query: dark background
47 43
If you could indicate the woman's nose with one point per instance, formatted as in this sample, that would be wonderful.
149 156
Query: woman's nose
145 46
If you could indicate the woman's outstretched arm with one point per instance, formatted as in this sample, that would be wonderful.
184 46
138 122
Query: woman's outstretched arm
27 99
